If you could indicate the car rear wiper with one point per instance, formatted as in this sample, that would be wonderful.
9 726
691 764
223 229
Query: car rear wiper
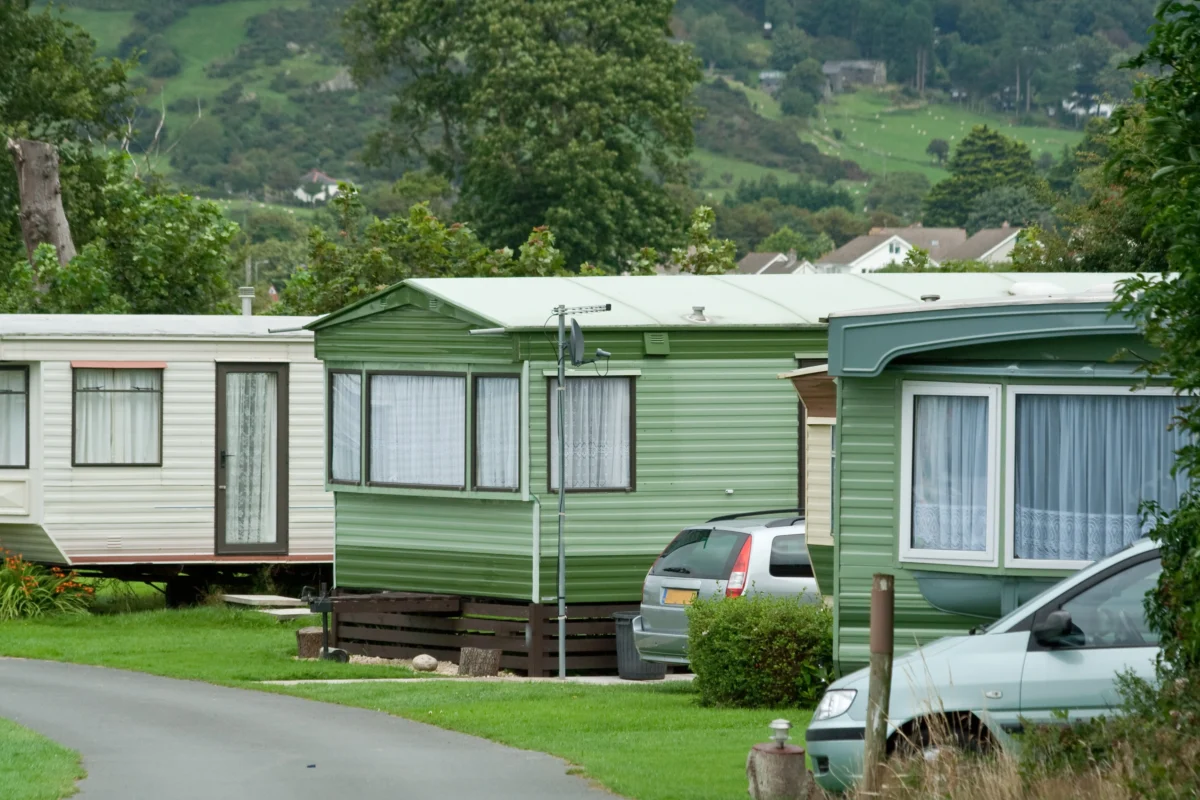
681 570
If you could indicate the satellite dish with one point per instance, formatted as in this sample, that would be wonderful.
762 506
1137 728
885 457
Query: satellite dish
576 345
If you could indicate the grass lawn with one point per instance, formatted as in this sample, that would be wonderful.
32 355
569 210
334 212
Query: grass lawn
651 742
875 132
208 643
716 165
108 28
34 768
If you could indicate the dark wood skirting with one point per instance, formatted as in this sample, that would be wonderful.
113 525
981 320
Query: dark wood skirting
403 625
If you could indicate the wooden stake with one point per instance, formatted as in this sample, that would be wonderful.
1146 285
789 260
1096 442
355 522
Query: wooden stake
879 689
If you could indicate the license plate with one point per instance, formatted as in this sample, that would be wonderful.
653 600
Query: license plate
678 597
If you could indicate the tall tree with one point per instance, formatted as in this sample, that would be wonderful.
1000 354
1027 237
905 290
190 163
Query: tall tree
566 113
985 159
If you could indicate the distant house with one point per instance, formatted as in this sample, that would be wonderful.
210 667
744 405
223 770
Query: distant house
328 187
768 263
844 76
885 246
769 80
990 245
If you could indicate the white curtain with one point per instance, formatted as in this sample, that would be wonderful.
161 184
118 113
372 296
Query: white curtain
346 458
950 460
598 437
1083 465
251 463
117 416
418 430
497 433
13 408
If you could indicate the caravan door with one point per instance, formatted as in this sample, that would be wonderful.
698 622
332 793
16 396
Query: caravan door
252 459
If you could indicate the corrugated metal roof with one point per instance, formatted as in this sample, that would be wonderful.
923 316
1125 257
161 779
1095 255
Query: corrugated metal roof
729 300
37 326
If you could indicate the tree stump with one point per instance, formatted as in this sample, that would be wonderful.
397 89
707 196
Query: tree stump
478 663
777 773
308 642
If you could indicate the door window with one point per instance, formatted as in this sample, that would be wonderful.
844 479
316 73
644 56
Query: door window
1112 613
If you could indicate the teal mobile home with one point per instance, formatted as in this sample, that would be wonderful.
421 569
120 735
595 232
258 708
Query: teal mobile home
438 439
984 451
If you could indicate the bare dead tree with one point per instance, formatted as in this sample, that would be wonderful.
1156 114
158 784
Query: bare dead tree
43 220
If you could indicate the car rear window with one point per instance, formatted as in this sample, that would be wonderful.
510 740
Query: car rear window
700 553
789 558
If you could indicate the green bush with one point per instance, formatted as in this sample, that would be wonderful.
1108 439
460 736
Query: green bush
760 651
31 590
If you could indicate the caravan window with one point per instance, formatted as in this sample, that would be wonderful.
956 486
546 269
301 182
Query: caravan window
949 452
497 432
345 427
599 442
417 430
118 417
14 417
1081 464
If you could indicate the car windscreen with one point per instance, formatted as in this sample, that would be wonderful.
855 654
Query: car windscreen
700 553
789 557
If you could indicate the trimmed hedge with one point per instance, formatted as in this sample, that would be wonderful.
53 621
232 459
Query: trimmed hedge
760 651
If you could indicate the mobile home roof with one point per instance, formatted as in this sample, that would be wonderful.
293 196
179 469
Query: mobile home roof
150 326
667 301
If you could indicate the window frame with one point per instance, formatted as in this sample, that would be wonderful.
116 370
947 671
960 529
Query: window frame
364 400
24 368
367 480
989 556
474 437
1013 391
551 382
161 392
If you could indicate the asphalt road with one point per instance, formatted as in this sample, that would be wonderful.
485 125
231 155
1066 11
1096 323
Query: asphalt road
161 739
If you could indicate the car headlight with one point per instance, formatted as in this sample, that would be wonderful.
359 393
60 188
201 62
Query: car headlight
835 703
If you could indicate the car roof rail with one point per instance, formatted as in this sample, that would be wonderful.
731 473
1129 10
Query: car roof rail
784 522
768 512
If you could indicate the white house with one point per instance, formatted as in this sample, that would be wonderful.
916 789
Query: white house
885 246
990 245
327 187
134 444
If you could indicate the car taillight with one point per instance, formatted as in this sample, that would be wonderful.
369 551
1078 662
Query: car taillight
737 578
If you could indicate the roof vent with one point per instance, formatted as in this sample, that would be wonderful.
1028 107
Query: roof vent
930 298
697 315
434 303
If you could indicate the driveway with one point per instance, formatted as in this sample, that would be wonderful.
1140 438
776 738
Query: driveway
155 738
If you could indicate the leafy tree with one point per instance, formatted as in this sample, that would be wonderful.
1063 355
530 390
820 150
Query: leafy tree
786 240
985 159
370 254
713 42
1165 148
840 224
152 252
567 113
939 149
1019 206
802 88
704 254
900 193
789 46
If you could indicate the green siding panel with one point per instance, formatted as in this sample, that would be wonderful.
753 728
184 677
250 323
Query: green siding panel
408 333
703 427
428 544
31 542
866 535
822 558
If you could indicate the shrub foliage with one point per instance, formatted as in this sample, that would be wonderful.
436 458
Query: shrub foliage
31 590
760 651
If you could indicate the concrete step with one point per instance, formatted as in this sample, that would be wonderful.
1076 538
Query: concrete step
264 601
283 614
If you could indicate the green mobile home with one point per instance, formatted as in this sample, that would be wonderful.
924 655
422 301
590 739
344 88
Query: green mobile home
984 451
438 438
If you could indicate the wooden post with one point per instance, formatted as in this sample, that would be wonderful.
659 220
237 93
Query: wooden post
536 651
879 690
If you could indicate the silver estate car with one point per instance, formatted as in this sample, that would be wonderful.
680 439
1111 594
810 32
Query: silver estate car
723 557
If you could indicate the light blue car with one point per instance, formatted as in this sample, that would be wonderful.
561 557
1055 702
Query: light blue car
1060 651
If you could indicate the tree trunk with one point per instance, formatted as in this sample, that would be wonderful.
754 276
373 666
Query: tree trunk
478 663
43 220
1028 92
777 773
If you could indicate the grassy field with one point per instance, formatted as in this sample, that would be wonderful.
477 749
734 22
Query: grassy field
209 643
881 137
715 165
649 742
652 742
34 768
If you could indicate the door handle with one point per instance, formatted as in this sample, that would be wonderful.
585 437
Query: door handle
224 456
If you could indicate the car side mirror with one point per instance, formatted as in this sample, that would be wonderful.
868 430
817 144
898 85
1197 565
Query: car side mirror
1053 628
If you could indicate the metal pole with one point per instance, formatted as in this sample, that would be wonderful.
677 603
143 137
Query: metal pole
879 687
562 492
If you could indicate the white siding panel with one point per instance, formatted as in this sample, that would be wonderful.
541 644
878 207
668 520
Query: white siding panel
166 512
818 480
